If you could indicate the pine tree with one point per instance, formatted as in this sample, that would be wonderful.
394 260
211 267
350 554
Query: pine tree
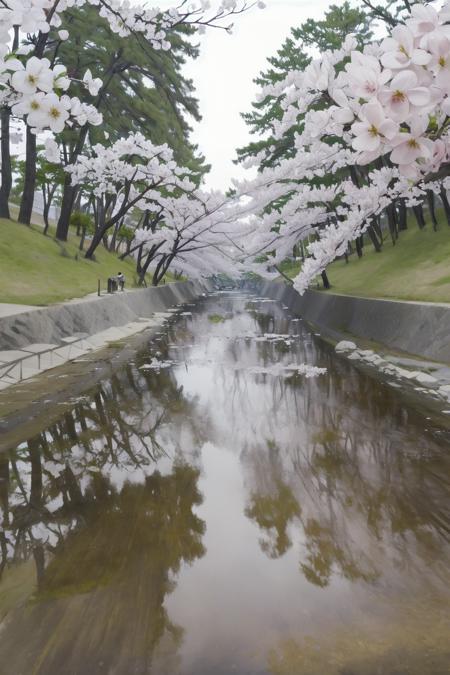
294 55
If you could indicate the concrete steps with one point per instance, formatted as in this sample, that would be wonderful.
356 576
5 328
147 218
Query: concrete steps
20 364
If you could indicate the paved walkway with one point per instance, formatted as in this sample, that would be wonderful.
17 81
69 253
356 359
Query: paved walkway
7 309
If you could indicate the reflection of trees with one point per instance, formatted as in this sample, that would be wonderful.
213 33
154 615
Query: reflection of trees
347 476
120 425
345 480
273 513
359 505
278 512
264 320
351 478
82 506
104 585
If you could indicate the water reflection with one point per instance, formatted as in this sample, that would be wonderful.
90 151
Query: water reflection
93 535
215 516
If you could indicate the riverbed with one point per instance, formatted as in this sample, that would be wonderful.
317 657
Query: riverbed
208 508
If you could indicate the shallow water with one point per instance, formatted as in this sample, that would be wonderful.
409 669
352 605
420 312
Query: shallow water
217 515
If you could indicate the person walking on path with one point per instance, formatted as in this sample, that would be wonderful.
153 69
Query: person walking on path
121 281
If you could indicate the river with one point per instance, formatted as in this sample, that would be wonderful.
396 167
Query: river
208 510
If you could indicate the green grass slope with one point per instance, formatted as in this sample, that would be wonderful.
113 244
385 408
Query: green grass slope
38 270
416 268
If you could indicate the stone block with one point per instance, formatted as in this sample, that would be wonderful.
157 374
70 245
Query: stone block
345 346
96 341
424 378
11 355
71 338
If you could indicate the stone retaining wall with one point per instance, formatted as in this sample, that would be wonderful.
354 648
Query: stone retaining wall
422 329
53 324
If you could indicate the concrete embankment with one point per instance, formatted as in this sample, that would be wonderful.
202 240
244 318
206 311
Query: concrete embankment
421 329
34 341
92 315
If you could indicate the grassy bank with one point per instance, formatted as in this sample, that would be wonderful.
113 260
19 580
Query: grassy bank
38 270
416 268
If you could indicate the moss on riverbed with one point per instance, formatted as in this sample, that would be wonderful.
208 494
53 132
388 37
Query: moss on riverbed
216 318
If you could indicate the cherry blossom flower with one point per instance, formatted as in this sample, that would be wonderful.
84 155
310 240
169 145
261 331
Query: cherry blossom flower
400 52
55 112
366 76
374 129
412 145
93 84
60 79
440 64
37 75
402 93
32 108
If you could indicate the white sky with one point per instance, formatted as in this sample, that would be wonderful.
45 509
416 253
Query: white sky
224 72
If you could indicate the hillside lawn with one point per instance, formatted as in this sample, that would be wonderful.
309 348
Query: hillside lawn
416 268
38 270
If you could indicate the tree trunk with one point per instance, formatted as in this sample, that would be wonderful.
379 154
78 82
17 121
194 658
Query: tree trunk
139 259
77 202
445 203
83 236
143 269
68 199
39 560
374 238
100 232
96 239
112 243
377 228
390 212
46 198
159 271
402 216
6 171
49 202
418 212
4 488
26 204
70 191
45 217
36 474
359 250
326 281
302 251
431 207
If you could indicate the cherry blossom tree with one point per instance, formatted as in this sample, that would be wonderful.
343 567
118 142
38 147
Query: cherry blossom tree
183 226
34 87
195 235
131 173
373 127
